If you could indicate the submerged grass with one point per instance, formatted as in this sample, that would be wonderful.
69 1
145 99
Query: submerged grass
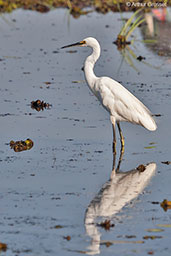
76 6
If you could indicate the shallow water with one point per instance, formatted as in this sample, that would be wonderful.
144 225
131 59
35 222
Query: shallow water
54 182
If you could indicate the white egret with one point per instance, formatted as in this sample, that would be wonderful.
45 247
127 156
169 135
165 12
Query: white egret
117 100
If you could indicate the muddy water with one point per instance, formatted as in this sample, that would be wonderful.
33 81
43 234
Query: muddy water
47 191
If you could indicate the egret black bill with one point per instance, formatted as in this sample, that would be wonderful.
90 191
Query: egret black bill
76 44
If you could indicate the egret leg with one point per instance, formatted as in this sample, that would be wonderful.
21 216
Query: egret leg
113 173
120 160
114 139
121 138
116 170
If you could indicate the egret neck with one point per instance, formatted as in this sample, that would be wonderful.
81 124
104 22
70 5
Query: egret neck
89 65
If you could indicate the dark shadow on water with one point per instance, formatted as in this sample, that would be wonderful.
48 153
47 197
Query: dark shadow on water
119 190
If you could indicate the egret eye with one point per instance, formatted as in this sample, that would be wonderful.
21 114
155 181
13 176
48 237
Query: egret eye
82 42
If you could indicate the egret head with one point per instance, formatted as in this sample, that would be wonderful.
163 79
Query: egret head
89 41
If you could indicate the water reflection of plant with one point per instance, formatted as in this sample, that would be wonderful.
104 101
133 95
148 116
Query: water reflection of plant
130 57
74 10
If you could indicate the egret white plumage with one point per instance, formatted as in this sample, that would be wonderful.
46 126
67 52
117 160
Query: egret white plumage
117 100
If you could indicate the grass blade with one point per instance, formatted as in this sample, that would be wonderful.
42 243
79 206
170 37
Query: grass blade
133 28
128 23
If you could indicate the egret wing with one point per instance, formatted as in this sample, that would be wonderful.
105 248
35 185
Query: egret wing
122 104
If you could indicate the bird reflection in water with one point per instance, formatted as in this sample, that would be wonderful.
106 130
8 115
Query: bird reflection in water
120 189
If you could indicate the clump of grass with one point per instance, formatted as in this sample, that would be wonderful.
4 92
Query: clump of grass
128 28
74 10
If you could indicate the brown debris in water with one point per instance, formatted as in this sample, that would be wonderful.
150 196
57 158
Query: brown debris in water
3 247
106 225
166 205
166 162
40 105
21 145
140 58
141 168
151 237
150 252
58 226
68 238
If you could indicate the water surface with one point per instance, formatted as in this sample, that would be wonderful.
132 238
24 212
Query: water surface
53 183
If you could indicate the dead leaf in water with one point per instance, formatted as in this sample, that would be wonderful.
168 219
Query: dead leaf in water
155 230
3 247
40 105
47 83
110 242
155 202
156 115
58 226
166 204
140 58
71 51
106 225
21 145
130 236
141 168
151 237
150 252
166 162
150 147
68 238
79 81
164 225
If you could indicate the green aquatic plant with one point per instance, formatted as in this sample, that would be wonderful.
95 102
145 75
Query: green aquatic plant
128 28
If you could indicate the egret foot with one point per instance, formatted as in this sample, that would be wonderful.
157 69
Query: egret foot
122 144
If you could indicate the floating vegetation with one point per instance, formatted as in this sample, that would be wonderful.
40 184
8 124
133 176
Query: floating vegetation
21 145
3 247
40 105
58 226
68 238
151 237
106 225
164 225
78 81
155 230
166 162
166 205
128 28
110 242
140 58
151 145
130 236
141 168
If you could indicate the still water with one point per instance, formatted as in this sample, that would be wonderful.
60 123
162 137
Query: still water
54 196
